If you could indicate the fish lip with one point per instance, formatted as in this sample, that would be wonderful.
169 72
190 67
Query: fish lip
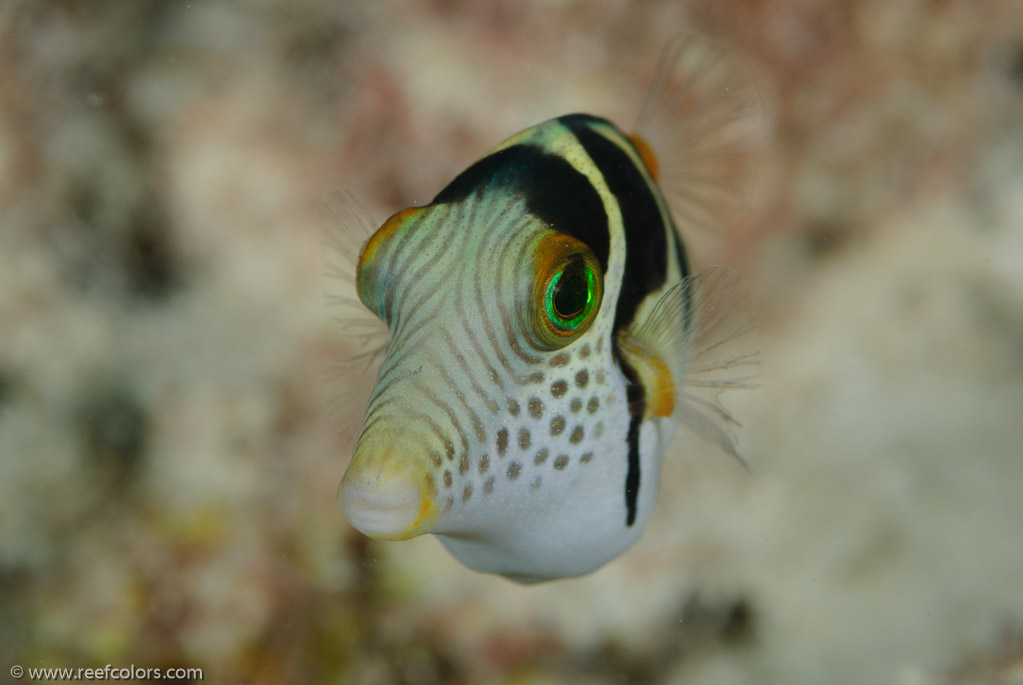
383 516
387 504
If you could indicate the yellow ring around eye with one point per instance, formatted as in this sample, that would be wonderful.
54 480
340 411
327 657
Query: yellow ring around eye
569 288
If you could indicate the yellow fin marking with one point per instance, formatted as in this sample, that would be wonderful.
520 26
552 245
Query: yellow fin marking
646 153
654 374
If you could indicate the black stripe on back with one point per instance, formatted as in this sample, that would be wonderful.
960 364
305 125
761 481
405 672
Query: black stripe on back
646 266
555 192
646 248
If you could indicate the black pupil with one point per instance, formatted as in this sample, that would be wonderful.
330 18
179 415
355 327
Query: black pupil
570 292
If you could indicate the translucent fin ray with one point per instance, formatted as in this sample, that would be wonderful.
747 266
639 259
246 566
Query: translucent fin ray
704 121
703 328
346 383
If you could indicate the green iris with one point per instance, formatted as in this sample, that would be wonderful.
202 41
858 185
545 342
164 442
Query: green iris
570 295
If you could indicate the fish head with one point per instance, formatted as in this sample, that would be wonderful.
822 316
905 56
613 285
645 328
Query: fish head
496 385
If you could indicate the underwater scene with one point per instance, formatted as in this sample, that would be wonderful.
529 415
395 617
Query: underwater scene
522 343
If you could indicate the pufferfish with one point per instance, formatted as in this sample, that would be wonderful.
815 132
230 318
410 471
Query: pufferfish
546 332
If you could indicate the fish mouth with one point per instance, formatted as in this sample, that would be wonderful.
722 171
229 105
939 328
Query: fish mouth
387 494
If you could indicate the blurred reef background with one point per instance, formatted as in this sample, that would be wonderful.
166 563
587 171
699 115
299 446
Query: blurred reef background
168 470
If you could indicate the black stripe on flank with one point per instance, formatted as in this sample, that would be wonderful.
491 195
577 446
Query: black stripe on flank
632 477
646 248
636 396
555 192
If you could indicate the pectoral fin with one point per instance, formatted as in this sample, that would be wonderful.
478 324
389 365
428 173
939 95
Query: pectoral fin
696 343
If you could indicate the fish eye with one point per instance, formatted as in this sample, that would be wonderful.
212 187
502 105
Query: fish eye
567 291
571 294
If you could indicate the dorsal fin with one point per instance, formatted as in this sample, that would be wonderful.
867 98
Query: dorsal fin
700 132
